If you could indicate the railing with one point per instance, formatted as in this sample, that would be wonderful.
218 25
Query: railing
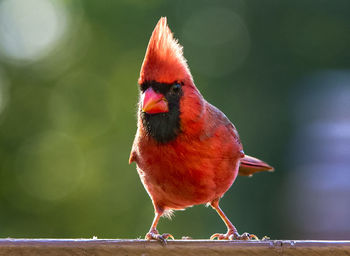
104 247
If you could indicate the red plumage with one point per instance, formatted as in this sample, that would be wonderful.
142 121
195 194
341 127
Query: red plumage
164 61
200 164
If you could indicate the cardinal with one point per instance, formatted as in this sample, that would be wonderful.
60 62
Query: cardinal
186 150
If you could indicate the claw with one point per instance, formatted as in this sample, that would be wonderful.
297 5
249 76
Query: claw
252 236
216 235
219 236
230 235
246 236
166 236
154 235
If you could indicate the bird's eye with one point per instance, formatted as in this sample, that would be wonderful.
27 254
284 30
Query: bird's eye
175 88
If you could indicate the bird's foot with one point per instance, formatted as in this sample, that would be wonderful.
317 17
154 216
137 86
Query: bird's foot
154 235
233 235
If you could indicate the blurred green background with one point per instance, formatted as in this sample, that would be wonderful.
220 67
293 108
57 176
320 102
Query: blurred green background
68 92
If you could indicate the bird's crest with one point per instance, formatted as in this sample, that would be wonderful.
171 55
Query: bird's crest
164 61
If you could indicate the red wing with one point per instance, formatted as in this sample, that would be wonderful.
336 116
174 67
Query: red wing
250 165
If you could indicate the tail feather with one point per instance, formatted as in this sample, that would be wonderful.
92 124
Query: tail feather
250 165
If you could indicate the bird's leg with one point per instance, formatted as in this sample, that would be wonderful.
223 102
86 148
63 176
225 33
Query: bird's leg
153 233
232 233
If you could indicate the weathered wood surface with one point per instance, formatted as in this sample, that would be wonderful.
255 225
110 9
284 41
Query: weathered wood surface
103 247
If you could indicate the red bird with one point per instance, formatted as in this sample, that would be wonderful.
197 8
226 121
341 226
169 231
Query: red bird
186 150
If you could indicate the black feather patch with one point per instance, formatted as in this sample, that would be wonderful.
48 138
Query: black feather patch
164 127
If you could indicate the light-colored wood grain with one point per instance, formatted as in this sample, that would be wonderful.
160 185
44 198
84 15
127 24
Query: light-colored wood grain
102 247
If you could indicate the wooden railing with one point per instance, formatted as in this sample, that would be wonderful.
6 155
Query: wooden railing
103 247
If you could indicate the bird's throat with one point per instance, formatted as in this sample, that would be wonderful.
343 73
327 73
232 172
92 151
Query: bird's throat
162 127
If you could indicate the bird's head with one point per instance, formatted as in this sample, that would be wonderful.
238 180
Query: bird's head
168 96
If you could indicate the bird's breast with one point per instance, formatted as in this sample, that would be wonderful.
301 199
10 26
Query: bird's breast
185 173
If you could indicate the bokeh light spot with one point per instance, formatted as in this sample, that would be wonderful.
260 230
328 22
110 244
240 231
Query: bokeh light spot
321 149
30 29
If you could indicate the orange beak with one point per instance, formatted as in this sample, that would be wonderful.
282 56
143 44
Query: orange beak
153 103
